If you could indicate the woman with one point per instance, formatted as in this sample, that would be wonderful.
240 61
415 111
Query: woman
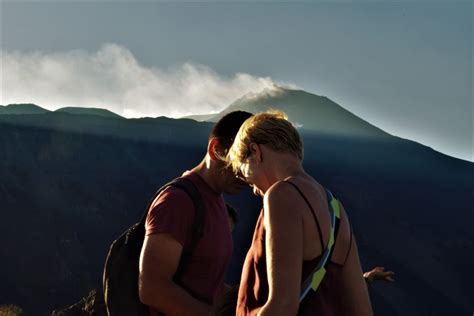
293 230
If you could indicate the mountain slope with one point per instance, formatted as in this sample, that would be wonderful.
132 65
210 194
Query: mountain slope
145 129
309 111
74 192
22 108
70 184
89 111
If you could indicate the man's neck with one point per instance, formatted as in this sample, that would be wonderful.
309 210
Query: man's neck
206 170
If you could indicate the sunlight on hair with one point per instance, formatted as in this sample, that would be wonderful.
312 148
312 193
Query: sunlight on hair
271 128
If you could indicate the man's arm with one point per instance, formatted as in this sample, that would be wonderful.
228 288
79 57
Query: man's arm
159 260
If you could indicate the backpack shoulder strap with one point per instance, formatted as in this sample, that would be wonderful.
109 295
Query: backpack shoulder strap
162 188
198 223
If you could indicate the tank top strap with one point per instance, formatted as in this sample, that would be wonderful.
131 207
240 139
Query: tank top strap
312 211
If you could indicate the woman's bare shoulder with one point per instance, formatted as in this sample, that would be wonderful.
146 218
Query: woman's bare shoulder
282 202
280 192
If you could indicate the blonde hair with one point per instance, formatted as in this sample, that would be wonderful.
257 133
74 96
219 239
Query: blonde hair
271 128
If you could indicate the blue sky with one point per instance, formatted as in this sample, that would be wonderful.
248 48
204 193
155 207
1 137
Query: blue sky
403 66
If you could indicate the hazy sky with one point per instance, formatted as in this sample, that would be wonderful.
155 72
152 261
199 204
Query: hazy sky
405 67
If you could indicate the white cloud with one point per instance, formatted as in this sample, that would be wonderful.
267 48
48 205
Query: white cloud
113 79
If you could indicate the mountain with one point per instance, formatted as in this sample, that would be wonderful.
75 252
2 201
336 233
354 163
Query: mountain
308 111
71 184
161 129
89 111
26 108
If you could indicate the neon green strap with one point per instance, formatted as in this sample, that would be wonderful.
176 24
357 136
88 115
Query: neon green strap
318 274
335 207
318 278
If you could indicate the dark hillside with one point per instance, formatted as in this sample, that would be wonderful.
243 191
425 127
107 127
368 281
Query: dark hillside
70 184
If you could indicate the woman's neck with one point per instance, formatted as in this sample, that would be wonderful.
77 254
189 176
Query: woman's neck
284 167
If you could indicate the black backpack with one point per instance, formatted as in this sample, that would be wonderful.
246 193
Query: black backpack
120 278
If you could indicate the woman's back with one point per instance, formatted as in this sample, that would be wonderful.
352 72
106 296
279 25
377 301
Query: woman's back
343 290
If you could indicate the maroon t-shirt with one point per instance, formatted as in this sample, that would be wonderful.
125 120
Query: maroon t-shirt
172 212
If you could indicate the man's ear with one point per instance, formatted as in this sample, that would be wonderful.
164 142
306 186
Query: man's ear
212 148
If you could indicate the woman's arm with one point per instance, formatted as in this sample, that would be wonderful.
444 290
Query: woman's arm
283 223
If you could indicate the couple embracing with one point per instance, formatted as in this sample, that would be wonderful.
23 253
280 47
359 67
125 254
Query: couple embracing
303 259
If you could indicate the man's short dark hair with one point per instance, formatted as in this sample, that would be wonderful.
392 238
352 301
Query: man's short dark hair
232 213
227 127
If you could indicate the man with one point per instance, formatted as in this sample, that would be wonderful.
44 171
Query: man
169 227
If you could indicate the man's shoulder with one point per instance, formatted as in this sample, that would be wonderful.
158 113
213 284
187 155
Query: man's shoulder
172 212
172 196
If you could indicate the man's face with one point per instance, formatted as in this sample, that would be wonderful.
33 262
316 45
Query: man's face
230 183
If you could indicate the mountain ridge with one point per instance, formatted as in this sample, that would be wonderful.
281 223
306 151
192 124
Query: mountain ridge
252 102
89 111
22 108
306 110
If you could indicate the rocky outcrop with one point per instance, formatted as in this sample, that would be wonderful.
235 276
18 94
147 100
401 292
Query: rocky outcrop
10 310
91 305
